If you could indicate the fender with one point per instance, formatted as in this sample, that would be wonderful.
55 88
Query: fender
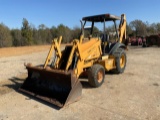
115 47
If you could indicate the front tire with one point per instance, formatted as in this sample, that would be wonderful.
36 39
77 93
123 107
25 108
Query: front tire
96 75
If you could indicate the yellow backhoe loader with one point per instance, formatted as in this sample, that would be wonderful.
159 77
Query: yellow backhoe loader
57 80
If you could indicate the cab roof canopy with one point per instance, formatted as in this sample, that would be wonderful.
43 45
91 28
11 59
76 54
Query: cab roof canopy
101 18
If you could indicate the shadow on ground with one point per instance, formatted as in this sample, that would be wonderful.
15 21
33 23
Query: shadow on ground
11 84
15 83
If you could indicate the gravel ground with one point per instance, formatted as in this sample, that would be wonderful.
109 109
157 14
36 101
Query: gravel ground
133 95
14 66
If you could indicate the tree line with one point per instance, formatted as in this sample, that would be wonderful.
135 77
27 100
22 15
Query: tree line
29 35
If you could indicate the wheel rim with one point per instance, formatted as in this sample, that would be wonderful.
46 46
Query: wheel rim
100 76
122 61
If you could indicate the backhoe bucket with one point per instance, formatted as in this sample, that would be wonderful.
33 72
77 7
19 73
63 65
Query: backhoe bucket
54 86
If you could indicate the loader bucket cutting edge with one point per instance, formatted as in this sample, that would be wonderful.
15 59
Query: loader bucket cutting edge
56 87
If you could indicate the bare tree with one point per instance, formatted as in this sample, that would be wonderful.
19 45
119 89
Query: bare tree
138 27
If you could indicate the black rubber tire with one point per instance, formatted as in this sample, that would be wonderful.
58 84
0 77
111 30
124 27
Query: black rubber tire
96 72
120 61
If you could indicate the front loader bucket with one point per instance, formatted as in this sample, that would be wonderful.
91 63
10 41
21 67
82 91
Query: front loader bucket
54 86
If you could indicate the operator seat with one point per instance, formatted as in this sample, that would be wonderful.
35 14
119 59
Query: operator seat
105 40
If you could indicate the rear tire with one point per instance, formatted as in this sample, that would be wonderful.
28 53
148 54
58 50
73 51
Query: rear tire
96 75
120 61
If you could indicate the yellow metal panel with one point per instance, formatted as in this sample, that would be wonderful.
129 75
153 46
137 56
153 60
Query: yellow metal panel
108 64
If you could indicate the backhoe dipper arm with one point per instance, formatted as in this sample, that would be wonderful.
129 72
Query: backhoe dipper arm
122 28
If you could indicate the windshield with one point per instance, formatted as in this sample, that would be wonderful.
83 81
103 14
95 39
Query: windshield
108 32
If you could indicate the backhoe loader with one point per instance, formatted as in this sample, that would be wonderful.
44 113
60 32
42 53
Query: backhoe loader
57 81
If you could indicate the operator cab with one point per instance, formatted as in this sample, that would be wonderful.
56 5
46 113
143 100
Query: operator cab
109 36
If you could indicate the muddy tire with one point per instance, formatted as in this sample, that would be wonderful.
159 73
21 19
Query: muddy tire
96 75
120 61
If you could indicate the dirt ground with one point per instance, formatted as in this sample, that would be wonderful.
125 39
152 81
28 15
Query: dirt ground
133 95
16 51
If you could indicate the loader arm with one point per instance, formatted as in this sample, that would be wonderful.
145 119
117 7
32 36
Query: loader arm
55 46
71 54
